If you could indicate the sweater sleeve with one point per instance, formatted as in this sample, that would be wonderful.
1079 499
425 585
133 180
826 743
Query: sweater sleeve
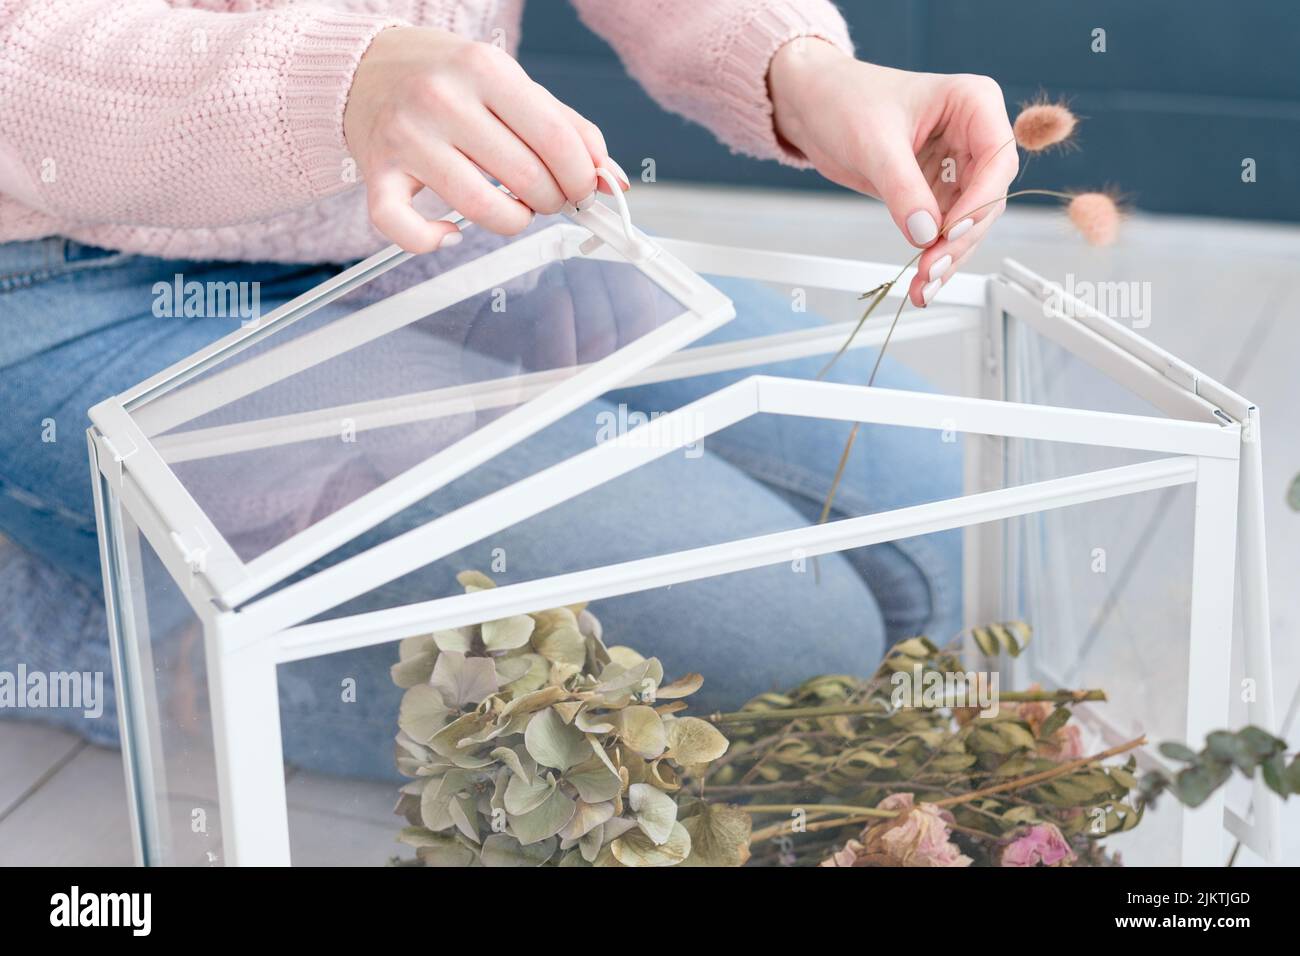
141 113
708 59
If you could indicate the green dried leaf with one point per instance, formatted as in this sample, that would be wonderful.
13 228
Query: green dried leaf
619 685
533 701
694 741
656 812
586 817
634 848
1261 743
1194 785
1010 637
522 673
553 743
719 835
518 760
1292 776
1123 778
682 687
448 742
591 723
420 836
562 645
523 795
414 670
589 846
435 801
422 713
1057 719
1016 735
915 647
459 640
546 821
452 851
508 633
475 580
1176 751
500 849
463 681
951 763
464 816
642 730
595 780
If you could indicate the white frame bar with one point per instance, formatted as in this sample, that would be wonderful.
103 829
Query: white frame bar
230 439
378 627
425 544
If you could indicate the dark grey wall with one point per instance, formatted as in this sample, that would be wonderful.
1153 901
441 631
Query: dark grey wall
1184 92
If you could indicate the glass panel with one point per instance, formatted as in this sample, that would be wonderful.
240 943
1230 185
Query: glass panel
1111 580
773 472
311 418
171 727
766 474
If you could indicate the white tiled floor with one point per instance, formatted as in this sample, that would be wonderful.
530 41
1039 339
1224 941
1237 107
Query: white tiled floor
1224 298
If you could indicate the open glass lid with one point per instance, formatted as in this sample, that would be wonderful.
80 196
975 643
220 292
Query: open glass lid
291 437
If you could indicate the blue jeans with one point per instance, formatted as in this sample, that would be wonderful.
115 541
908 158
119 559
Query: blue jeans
76 326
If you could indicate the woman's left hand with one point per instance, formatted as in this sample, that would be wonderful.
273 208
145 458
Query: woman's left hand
935 148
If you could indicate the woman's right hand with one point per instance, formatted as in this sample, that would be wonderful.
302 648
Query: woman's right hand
429 108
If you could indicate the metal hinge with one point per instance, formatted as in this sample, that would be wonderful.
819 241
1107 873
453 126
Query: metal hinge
194 556
118 457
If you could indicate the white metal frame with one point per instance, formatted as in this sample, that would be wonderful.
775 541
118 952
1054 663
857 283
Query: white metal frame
1211 442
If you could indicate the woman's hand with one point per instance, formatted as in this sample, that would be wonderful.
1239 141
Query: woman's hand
428 108
935 148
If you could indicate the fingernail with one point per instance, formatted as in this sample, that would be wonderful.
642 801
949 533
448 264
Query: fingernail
959 230
930 289
921 228
617 170
451 239
939 267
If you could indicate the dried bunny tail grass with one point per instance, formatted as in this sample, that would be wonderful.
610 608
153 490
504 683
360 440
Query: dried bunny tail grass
1097 216
1043 124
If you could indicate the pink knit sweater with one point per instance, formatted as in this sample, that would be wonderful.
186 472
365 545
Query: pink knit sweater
214 128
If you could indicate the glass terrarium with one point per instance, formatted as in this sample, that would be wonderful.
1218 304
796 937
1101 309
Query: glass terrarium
415 539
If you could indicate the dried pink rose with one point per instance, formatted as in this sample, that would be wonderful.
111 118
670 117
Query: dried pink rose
848 855
918 836
1042 845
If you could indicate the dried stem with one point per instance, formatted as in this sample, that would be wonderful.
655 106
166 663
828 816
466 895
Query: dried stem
878 707
880 294
864 816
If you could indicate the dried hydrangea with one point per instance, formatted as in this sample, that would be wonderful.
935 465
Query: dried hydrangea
528 741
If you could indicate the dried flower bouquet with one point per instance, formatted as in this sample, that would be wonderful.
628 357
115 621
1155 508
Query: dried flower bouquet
529 741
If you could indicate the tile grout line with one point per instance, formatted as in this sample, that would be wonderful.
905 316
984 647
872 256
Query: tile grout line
77 747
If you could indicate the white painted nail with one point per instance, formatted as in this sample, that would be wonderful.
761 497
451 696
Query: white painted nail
617 170
959 230
451 239
921 228
927 293
939 267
